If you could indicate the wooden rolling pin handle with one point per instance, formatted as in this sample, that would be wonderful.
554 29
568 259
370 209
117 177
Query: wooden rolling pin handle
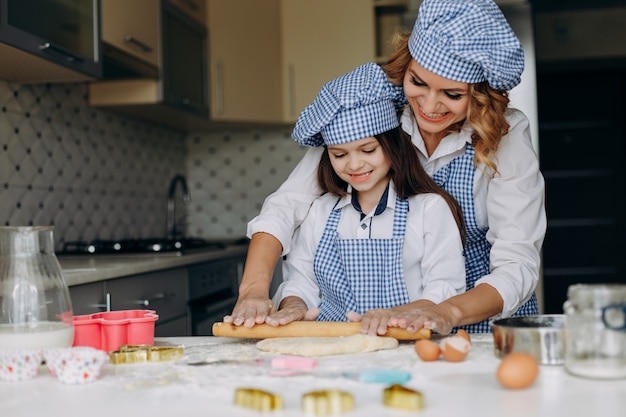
308 329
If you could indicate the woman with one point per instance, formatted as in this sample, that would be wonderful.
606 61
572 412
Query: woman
456 68
384 237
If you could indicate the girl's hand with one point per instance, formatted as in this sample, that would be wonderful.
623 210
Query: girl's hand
250 311
291 309
373 322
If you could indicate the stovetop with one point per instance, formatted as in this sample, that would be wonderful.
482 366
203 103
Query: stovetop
143 245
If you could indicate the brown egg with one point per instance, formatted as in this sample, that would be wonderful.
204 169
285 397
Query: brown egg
517 370
455 348
427 350
465 335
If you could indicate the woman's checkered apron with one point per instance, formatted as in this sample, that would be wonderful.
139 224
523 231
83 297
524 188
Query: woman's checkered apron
360 274
457 178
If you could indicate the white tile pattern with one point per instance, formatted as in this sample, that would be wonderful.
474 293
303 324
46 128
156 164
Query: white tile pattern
231 173
94 174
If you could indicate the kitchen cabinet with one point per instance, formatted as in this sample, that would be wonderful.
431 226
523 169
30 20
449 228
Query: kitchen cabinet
270 58
194 8
163 291
585 182
177 96
131 44
580 34
50 40
213 291
89 298
188 300
389 20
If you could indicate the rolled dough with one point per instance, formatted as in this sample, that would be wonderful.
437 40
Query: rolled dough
322 346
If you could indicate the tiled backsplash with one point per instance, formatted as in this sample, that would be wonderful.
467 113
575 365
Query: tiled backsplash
231 173
93 174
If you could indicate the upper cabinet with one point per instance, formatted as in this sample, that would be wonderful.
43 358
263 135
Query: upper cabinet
194 8
390 18
50 40
227 61
584 34
162 78
131 44
268 59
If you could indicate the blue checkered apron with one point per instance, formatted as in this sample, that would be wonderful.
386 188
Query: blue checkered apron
457 178
360 274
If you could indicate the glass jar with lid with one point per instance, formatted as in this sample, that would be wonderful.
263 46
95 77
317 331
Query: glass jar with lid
595 330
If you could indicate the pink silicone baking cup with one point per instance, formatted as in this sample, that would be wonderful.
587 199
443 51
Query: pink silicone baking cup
109 330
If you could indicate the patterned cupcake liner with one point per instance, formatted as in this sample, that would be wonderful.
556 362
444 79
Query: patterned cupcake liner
76 365
19 365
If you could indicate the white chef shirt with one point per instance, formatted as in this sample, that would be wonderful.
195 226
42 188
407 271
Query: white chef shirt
510 203
432 261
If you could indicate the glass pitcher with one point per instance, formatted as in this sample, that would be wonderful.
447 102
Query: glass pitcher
35 305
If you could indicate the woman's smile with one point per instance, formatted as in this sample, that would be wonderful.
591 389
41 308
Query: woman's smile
433 117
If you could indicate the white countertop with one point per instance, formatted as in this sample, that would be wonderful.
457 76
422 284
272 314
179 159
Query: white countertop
464 389
84 269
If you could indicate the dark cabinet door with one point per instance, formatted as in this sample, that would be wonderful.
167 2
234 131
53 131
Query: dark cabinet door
184 61
583 158
66 32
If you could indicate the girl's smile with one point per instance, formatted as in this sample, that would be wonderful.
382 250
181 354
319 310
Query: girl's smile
363 177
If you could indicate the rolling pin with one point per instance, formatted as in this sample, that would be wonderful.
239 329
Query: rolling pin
309 329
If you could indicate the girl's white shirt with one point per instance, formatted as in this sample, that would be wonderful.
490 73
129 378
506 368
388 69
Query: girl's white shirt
432 260
510 203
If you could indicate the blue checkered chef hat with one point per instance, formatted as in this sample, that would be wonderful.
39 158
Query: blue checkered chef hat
468 41
357 105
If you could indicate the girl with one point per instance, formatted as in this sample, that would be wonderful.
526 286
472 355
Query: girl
383 237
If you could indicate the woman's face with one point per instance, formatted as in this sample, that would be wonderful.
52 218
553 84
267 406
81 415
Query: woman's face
437 102
362 163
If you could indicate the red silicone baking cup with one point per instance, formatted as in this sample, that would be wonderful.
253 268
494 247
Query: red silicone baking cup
109 330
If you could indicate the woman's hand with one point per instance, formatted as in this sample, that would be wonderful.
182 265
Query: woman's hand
291 309
253 304
438 318
473 306
250 311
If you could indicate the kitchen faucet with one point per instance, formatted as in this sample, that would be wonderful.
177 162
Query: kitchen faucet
171 231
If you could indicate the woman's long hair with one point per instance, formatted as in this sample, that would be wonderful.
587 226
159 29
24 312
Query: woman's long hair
408 174
485 113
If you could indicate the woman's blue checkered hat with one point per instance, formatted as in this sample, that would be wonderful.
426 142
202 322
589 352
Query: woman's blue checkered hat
468 41
357 105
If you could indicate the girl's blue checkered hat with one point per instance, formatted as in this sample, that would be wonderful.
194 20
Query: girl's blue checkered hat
357 105
468 41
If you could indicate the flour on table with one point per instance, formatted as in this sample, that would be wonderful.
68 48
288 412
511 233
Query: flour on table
322 346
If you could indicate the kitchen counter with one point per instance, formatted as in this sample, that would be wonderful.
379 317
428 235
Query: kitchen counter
463 389
84 269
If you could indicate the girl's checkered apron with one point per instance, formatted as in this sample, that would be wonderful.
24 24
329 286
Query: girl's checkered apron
457 178
360 274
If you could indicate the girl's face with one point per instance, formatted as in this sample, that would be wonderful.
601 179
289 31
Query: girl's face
362 163
437 102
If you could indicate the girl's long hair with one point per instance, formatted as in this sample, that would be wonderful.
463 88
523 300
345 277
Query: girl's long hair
408 174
